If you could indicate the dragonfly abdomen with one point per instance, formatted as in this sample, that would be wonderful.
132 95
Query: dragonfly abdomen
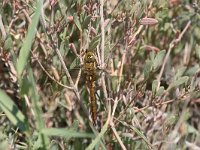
93 104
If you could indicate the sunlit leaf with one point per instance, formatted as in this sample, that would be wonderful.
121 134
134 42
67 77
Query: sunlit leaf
4 144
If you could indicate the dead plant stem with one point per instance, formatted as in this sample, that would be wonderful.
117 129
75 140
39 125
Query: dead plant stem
171 46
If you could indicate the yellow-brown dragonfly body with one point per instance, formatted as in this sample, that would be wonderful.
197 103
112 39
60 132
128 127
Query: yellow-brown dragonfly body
90 71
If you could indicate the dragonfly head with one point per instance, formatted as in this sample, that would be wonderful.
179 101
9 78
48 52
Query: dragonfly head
89 57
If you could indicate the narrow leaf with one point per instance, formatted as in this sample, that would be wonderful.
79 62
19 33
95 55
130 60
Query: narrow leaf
99 136
77 22
94 42
37 111
75 63
25 50
198 51
154 86
86 22
65 132
11 111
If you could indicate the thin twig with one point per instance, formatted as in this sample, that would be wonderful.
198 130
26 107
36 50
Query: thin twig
181 98
142 136
102 49
102 32
81 49
122 67
113 126
52 78
117 136
3 31
171 46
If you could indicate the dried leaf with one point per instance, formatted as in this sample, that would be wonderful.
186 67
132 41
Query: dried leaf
148 21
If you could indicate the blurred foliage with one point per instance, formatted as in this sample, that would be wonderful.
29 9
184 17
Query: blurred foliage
41 108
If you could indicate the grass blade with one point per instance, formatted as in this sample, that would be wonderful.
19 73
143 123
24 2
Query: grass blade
11 111
66 132
25 50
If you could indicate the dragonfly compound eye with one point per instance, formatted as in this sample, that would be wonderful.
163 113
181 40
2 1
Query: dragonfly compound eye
90 58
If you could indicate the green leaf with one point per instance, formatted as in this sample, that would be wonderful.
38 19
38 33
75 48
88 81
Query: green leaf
40 124
64 49
152 55
98 137
25 50
192 70
196 33
25 86
63 8
8 43
11 111
179 81
158 59
198 51
147 68
94 42
4 144
171 120
140 134
86 22
160 91
77 22
65 132
75 63
192 129
179 72
154 86
106 52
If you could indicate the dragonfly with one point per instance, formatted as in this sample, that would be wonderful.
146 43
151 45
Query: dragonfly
90 72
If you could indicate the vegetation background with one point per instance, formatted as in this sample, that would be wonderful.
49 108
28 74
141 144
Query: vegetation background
148 55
